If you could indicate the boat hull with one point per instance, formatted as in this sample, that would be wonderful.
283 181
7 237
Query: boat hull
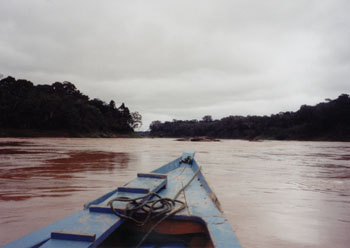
200 222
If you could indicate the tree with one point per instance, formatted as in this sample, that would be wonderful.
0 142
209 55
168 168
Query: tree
326 121
112 104
60 106
136 120
207 118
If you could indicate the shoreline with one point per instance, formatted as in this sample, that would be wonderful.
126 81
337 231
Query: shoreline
34 133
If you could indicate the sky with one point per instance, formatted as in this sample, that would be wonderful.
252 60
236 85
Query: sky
183 59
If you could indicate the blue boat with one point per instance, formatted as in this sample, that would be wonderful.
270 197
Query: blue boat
173 206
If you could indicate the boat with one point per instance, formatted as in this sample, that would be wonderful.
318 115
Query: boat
173 206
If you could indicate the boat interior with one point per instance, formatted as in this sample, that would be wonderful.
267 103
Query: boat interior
169 233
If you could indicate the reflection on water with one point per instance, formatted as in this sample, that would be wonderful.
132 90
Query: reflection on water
275 194
57 178
51 174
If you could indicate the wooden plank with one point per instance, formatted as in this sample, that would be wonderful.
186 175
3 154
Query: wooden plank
89 228
133 190
87 237
152 175
200 204
151 184
81 222
57 243
188 156
100 199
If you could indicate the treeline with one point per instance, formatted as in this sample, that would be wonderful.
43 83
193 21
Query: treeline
328 120
60 107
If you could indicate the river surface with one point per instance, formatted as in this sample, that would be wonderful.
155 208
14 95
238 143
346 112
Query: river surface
275 194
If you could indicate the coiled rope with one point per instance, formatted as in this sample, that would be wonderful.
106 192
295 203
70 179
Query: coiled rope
153 208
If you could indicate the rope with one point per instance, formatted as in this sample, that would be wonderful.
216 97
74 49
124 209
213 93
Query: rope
154 208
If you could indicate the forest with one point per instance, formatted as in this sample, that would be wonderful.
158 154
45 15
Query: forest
329 120
59 109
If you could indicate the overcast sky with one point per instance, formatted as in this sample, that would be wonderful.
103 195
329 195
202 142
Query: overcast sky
183 59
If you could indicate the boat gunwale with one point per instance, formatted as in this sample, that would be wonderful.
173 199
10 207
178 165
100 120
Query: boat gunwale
39 237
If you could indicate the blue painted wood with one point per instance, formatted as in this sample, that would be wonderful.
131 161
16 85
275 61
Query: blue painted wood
86 237
54 243
81 222
89 227
188 156
100 199
109 194
153 184
133 190
165 169
201 204
152 175
188 153
139 187
101 209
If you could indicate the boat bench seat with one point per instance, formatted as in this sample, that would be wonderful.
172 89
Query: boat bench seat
143 184
93 224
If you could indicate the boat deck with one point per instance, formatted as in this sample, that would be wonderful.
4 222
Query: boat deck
91 226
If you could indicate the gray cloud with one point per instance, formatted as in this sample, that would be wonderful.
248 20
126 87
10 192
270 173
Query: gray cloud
183 59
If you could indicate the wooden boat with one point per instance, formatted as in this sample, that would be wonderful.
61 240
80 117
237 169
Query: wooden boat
172 206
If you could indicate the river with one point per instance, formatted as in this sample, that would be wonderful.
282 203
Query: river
274 193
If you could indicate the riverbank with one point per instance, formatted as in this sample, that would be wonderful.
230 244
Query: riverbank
34 133
199 139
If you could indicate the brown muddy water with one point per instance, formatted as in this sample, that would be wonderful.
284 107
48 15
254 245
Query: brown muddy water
275 194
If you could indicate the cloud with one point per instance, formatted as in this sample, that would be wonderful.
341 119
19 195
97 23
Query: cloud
183 59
